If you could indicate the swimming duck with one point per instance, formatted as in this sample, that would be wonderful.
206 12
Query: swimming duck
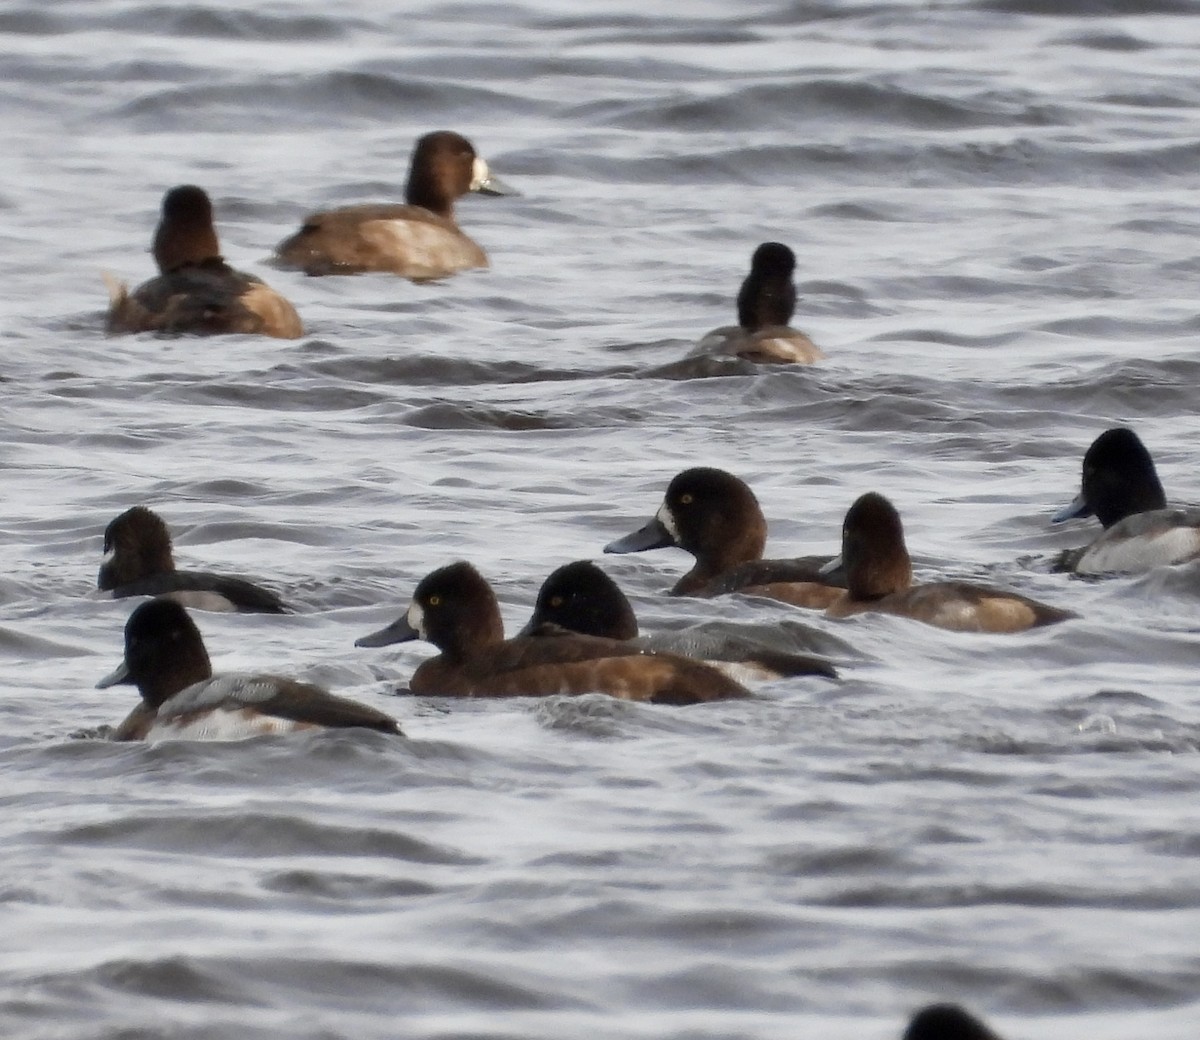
580 597
947 1022
879 578
196 291
417 239
765 304
714 516
138 562
166 660
455 609
1121 488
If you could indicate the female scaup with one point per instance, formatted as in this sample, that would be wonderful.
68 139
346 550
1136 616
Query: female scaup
138 562
455 609
166 660
765 304
1121 488
947 1022
879 579
417 239
714 516
196 291
580 597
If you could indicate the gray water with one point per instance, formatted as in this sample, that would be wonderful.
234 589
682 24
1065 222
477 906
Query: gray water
995 213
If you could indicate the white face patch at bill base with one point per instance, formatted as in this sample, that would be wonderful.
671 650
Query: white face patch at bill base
665 517
416 618
109 556
480 174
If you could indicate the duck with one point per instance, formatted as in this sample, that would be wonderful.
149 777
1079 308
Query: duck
580 597
1120 487
138 561
455 609
196 292
166 660
715 516
417 239
765 304
880 579
947 1022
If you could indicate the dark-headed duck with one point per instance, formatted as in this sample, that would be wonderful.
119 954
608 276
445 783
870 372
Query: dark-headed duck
138 562
580 597
455 609
1121 488
947 1022
417 239
196 291
714 516
879 578
765 304
181 699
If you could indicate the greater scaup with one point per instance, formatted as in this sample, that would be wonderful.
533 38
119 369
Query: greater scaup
765 304
879 578
947 1022
714 516
455 609
417 239
1121 488
196 291
138 562
580 597
166 660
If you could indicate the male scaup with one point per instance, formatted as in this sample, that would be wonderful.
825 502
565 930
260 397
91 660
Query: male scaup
196 291
879 578
580 597
417 239
455 609
765 304
138 562
714 516
166 660
947 1022
1121 488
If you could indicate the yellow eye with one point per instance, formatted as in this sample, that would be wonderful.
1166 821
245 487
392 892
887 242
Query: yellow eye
435 601
686 499
556 601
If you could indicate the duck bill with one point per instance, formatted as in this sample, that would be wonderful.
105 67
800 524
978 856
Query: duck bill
493 185
118 676
1074 510
399 631
653 536
835 567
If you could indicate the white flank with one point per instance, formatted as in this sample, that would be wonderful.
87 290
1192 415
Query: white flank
1122 555
201 599
221 724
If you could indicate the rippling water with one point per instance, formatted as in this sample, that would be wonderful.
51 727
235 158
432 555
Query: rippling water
995 211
